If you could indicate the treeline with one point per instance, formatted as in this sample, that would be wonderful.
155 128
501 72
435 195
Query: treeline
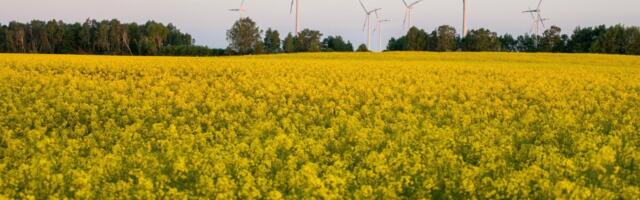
110 37
616 39
245 37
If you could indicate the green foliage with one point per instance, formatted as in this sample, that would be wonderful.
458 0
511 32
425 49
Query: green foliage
362 48
445 38
583 38
336 43
508 42
417 39
399 44
289 44
611 41
308 41
601 39
481 40
552 40
91 37
244 37
272 41
632 40
190 50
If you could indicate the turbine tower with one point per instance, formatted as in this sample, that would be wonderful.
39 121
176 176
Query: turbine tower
297 4
240 9
465 19
537 18
379 29
367 22
407 13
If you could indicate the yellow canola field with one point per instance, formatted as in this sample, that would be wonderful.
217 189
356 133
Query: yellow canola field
320 126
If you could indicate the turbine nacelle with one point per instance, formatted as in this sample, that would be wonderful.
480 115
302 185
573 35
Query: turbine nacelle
538 20
241 9
407 14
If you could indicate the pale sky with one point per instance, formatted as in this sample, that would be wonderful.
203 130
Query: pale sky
208 20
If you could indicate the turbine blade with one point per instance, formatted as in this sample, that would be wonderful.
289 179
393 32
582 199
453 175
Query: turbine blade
532 16
539 4
539 16
365 23
374 11
404 21
291 9
405 3
414 3
363 7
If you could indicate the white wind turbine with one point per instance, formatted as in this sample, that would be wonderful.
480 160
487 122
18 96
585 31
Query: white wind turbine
240 9
297 4
379 29
407 13
537 18
465 19
367 22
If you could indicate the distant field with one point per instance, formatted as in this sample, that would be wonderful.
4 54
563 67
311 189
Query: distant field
325 126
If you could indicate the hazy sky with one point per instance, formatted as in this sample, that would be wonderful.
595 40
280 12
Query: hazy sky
207 20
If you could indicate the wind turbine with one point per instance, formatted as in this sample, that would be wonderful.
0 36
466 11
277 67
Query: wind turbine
367 22
465 19
240 9
537 18
297 4
379 29
407 13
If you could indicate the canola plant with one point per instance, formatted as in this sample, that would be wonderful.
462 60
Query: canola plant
320 126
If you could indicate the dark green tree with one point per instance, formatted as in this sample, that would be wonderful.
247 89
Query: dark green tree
3 38
177 38
399 44
243 36
632 40
156 35
289 44
39 38
551 40
416 39
16 38
272 42
259 48
362 48
445 38
104 37
55 35
308 41
481 40
101 44
85 37
508 43
529 43
613 40
336 43
583 38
